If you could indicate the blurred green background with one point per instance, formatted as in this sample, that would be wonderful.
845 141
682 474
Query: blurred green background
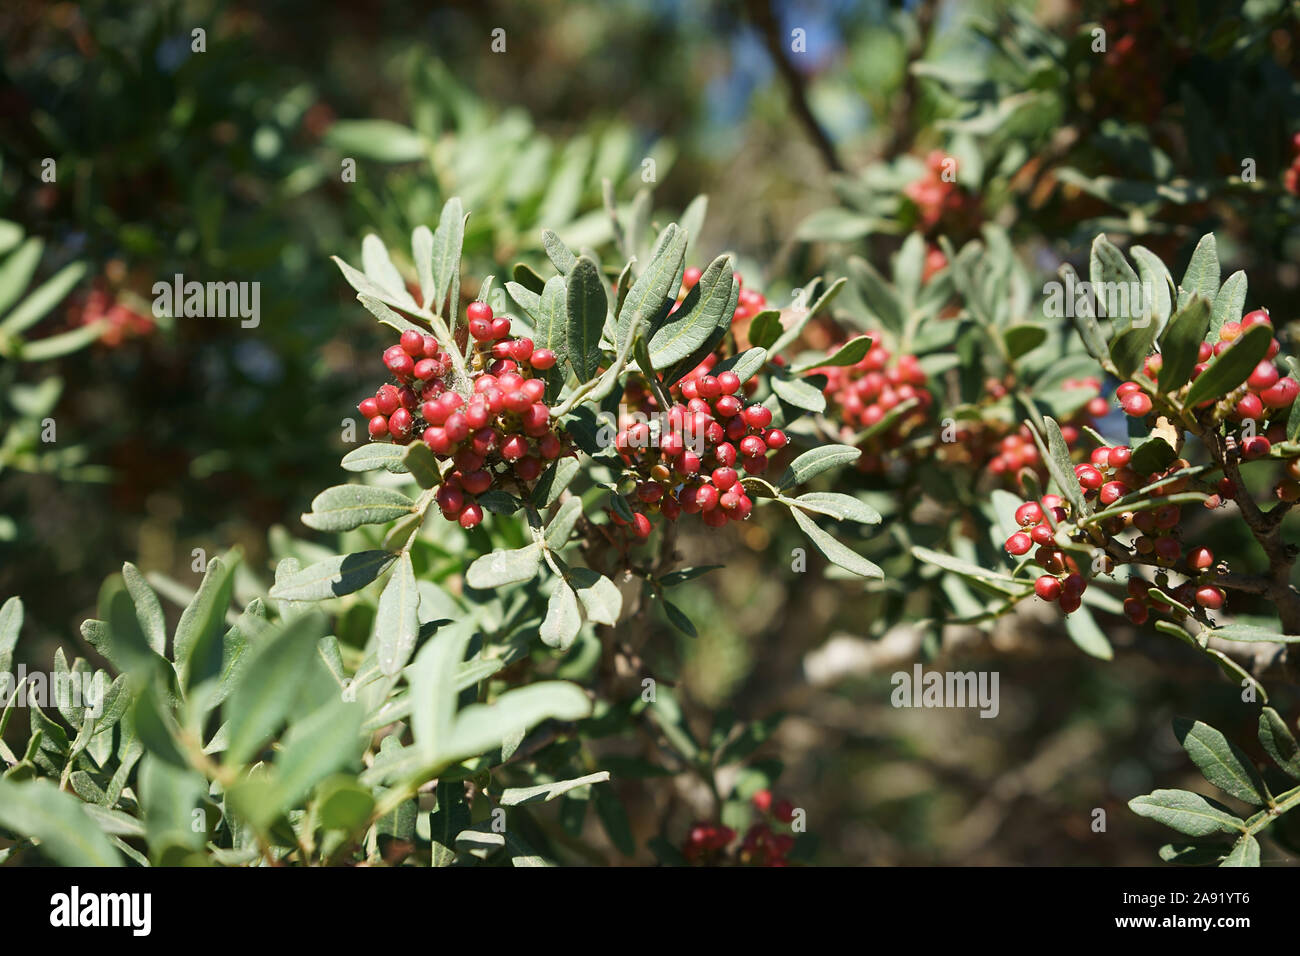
229 164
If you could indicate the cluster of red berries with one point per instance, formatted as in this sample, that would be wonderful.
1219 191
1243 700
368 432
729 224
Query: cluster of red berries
692 462
1139 604
1005 456
1106 478
750 303
707 843
861 395
937 196
1263 395
1291 178
501 434
123 322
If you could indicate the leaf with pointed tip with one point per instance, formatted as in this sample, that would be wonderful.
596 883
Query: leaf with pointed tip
448 239
586 306
67 834
45 297
561 526
397 619
1187 812
800 394
421 464
817 460
345 507
655 289
850 353
838 506
877 295
1278 742
380 270
1229 302
1231 367
845 557
559 254
1245 852
544 792
197 643
1181 342
11 622
376 454
765 328
1202 273
700 313
333 577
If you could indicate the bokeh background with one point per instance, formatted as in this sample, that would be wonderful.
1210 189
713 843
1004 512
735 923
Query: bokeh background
226 165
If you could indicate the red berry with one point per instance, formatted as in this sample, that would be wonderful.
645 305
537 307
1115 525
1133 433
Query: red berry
436 439
728 406
1047 587
471 516
641 525
542 359
1264 376
730 383
775 438
378 426
1112 491
1136 610
1257 447
758 416
1250 407
368 407
1200 558
400 423
1281 394
413 343
1030 513
1209 597
500 327
388 399
479 310
1089 477
1136 404
1258 317
724 478
707 497
762 801
1070 602
1120 456
1019 543
527 469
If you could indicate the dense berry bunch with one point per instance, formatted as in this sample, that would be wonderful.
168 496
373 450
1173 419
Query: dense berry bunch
502 436
1152 533
861 396
690 458
938 198
709 843
1263 397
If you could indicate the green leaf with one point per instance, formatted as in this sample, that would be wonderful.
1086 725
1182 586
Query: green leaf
64 343
677 617
382 140
197 644
702 311
563 620
554 480
17 271
148 610
966 569
1130 348
746 365
421 464
599 595
343 804
673 578
422 253
1022 339
333 577
1250 633
804 316
1187 812
1229 302
504 567
765 328
1082 628
45 297
799 393
447 241
265 693
586 305
1202 273
68 836
375 455
323 743
1278 742
850 353
480 728
1108 269
845 557
1056 456
345 507
814 462
1152 455
881 301
1232 367
560 255
655 289
397 620
1220 761
1180 343
11 622
1192 854
1245 852
544 792
839 506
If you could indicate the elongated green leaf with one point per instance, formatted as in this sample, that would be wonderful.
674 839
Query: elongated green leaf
850 353
344 507
447 241
419 461
1187 812
845 557
1108 271
1082 628
1157 285
1278 742
799 393
1181 342
1250 633
550 330
701 312
11 622
555 479
1202 275
483 727
839 506
147 608
422 253
333 577
383 140
586 306
1129 349
45 297
67 835
203 622
877 295
966 569
375 455
324 742
504 567
397 620
1056 456
379 268
561 526
814 462
343 804
17 271
655 288
559 254
1229 303
265 692
1245 852
1220 761
1229 369
563 620
64 343
544 792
